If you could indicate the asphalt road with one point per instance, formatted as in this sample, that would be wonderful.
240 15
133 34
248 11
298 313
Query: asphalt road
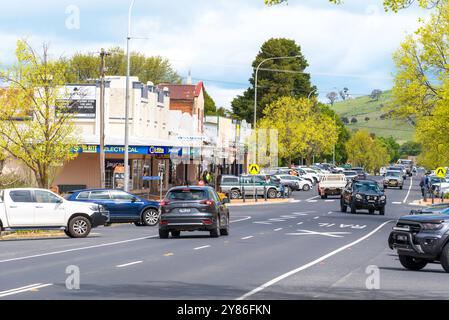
301 250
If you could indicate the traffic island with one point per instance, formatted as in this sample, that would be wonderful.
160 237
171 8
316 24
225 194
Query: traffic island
428 202
34 234
252 202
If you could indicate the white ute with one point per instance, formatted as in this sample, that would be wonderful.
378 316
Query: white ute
30 208
331 184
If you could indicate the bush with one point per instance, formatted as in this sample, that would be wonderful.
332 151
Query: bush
12 180
354 120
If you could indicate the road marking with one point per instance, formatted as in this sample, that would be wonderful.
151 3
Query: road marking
330 212
304 213
329 201
325 234
168 254
278 229
312 198
277 220
310 264
243 219
248 237
316 218
200 248
128 264
396 202
299 223
78 249
262 222
312 201
409 189
24 289
295 201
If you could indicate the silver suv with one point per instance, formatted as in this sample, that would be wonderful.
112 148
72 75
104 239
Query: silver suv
248 185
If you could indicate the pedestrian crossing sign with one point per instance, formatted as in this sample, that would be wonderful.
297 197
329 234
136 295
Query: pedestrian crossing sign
254 169
440 172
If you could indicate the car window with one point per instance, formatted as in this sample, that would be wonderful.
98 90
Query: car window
121 195
230 180
83 195
187 195
365 187
46 197
214 196
99 195
21 196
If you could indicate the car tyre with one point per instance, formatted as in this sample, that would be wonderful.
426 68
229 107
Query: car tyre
79 227
235 194
150 217
176 233
353 208
401 187
324 196
371 211
225 231
306 187
445 258
382 211
163 234
412 263
271 193
343 207
215 233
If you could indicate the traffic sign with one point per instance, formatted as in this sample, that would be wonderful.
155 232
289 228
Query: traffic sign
254 169
440 172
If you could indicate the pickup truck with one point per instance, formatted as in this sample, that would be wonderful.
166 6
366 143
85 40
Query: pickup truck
31 208
331 184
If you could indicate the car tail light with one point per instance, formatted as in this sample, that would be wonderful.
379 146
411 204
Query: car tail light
164 203
163 222
208 202
207 222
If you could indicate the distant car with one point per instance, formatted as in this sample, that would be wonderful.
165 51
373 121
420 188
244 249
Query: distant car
361 174
400 169
382 171
331 185
297 183
193 209
393 179
246 185
363 194
408 165
350 174
123 207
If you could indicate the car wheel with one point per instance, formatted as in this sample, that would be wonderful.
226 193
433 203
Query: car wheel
343 207
411 263
371 211
385 187
176 234
150 217
401 187
271 193
306 187
163 234
353 208
324 196
445 258
382 211
79 227
225 231
215 233
235 194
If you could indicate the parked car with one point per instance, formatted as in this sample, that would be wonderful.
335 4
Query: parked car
361 174
331 184
193 209
421 239
248 185
363 194
123 207
42 209
296 183
350 175
313 177
393 179
439 208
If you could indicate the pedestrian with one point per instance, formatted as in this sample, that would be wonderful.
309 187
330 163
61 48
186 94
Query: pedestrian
422 185
427 185
209 178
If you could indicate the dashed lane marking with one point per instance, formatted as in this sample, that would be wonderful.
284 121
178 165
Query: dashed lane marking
200 248
278 229
248 237
129 264
32 287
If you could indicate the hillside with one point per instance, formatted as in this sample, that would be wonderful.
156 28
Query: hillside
364 107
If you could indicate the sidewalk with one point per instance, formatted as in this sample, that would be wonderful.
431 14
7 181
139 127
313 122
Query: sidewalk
251 202
428 202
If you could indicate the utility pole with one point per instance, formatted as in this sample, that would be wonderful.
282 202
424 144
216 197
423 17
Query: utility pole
103 54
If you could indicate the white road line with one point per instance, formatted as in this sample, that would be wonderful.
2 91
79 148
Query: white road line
77 249
409 189
277 220
24 289
312 198
303 213
128 264
300 223
203 247
312 201
262 222
243 219
310 264
248 237
278 229
330 212
396 202
316 218
295 201
329 200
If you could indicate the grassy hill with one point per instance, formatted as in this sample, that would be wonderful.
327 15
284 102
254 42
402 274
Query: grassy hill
363 107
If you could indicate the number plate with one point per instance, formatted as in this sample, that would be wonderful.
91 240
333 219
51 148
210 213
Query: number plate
402 238
184 210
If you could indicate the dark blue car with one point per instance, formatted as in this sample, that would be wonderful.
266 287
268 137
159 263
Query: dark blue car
123 207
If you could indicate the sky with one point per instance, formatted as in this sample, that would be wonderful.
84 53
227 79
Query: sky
349 45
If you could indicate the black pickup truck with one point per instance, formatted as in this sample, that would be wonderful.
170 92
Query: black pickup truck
421 239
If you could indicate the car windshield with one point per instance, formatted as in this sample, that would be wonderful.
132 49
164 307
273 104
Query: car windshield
350 173
393 173
366 187
187 195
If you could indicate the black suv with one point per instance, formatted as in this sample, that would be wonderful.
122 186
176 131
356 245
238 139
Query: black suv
421 239
363 194
193 209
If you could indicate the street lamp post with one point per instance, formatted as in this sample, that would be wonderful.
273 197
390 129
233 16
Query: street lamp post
255 93
126 157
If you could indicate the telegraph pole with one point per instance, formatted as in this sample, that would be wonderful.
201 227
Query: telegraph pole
103 54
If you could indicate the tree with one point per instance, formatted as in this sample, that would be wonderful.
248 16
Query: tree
35 125
392 147
375 94
410 148
393 5
84 67
345 120
354 120
332 97
303 129
366 151
210 108
276 78
367 119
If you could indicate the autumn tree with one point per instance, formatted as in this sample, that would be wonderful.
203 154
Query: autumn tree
35 127
303 129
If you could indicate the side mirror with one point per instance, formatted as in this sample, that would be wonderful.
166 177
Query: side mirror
134 199
226 200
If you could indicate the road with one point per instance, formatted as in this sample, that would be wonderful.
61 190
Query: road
301 250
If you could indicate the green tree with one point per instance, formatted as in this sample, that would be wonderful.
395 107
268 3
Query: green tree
83 67
35 128
366 151
410 148
276 78
302 128
392 147
210 108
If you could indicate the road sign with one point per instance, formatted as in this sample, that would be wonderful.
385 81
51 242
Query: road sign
254 169
440 172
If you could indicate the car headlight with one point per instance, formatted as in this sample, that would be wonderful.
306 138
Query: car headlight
383 198
432 226
358 196
98 207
